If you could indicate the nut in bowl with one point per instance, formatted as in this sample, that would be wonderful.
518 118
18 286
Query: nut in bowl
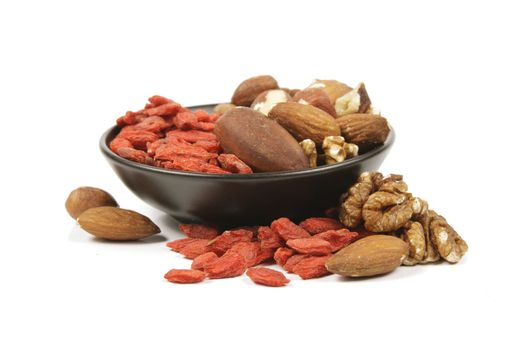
227 164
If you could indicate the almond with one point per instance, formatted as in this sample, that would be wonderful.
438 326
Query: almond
369 256
364 130
333 88
222 108
355 101
117 224
248 90
316 97
265 101
259 141
305 121
84 198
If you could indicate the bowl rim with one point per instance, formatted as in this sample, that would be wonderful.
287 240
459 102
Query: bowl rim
104 147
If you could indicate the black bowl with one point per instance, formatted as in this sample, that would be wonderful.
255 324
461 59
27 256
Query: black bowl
237 199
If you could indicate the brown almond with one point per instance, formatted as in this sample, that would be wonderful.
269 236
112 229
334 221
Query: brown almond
316 97
248 90
333 88
305 121
370 256
84 198
364 130
117 224
259 141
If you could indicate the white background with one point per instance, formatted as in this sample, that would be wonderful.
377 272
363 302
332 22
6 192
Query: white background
449 76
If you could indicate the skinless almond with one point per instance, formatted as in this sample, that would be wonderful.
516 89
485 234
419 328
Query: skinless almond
305 121
117 224
265 101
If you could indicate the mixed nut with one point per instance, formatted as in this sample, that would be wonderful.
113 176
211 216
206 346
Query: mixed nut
377 226
265 128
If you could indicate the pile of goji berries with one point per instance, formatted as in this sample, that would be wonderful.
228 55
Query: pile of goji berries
167 135
301 249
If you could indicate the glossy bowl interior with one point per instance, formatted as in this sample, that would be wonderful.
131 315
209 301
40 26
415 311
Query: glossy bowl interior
241 199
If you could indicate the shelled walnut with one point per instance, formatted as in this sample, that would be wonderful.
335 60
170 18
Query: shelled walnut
384 205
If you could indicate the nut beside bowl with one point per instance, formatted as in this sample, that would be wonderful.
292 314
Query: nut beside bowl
238 199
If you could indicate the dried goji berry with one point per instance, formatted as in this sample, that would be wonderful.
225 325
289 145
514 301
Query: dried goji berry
269 238
135 155
184 276
312 246
288 230
267 277
203 260
203 116
338 238
171 108
210 146
199 231
194 249
119 142
248 250
294 260
171 151
139 138
192 135
153 124
227 239
311 267
129 118
263 255
185 120
318 225
282 255
157 100
229 265
178 244
233 164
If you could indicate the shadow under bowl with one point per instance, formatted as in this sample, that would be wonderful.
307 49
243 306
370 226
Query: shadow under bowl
241 199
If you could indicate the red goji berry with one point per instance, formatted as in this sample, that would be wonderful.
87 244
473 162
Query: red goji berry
192 135
171 108
318 225
153 124
248 250
338 238
139 138
269 238
194 249
184 276
311 246
119 142
178 244
229 265
157 100
282 255
227 239
202 260
311 267
199 231
135 155
233 164
263 255
267 277
288 230
294 260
